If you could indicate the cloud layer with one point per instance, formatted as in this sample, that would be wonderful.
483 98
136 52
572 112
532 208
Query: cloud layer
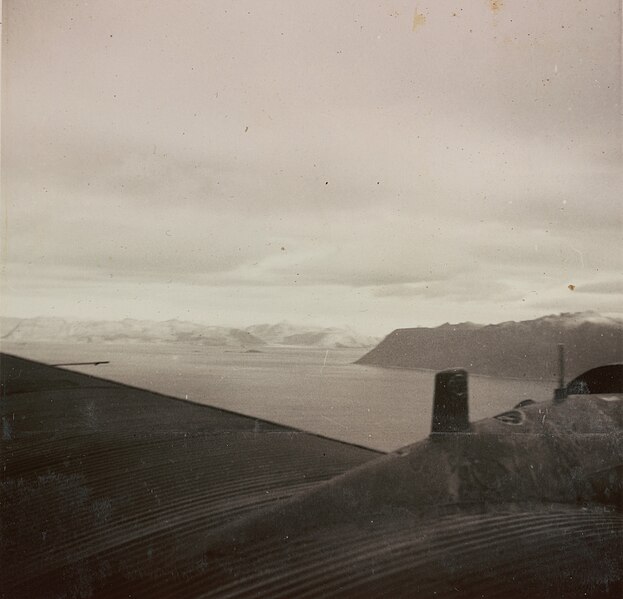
328 162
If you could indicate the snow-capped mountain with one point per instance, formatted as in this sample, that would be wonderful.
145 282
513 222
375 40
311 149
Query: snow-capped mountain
128 331
34 330
284 333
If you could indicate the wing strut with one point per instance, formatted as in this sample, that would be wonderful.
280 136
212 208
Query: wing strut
560 394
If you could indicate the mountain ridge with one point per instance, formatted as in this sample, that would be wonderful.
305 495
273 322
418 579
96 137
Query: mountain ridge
131 330
523 349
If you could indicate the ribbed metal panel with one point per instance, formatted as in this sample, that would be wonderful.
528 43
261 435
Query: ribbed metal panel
555 552
105 486
109 491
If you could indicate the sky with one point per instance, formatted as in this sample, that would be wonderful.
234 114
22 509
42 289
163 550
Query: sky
370 164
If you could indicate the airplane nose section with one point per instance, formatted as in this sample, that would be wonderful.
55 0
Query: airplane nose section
451 402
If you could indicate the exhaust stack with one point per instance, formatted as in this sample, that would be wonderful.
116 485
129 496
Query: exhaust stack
451 402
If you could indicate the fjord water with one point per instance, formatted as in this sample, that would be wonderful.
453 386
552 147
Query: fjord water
313 389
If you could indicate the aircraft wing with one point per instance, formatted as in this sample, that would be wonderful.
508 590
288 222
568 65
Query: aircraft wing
112 491
104 484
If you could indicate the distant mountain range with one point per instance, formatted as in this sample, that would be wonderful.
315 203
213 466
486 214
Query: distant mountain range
285 333
34 330
509 349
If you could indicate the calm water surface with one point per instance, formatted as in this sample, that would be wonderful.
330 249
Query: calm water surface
311 389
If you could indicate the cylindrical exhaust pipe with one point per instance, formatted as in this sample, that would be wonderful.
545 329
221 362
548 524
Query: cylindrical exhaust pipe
451 402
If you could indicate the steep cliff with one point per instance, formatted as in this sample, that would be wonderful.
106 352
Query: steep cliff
509 349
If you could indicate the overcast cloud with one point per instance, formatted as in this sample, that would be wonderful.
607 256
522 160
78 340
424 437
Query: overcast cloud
377 165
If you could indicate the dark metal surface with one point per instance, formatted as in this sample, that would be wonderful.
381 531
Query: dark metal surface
451 402
105 487
110 491
604 379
